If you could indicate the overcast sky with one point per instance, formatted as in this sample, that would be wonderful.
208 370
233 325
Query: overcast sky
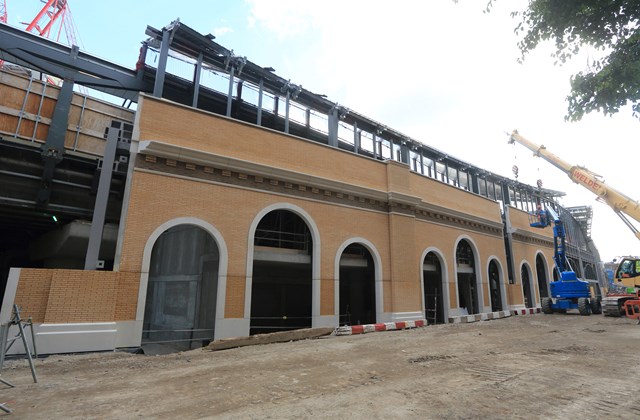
445 74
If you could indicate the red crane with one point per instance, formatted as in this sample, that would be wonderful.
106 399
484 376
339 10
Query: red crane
3 11
54 11
3 19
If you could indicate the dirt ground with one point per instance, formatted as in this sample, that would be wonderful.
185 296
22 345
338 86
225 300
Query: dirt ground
539 366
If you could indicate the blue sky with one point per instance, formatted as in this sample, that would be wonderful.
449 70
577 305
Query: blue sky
443 73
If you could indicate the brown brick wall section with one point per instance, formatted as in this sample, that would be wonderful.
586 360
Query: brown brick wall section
76 296
33 293
450 197
168 122
232 218
327 291
81 296
127 296
234 303
444 237
521 219
404 268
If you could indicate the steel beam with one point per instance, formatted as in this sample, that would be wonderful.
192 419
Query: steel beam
41 54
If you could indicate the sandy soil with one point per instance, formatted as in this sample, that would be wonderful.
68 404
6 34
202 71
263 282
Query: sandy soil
540 366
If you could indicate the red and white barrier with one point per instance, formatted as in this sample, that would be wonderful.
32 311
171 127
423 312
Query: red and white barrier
386 326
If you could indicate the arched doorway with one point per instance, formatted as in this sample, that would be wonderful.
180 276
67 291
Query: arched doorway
467 286
281 291
357 286
541 274
527 290
180 306
494 287
575 266
433 288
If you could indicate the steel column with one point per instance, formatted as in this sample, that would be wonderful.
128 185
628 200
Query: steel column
260 93
53 149
375 146
230 94
356 138
162 65
102 199
286 112
196 81
404 152
333 127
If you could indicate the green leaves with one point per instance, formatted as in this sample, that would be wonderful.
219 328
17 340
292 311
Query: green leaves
609 26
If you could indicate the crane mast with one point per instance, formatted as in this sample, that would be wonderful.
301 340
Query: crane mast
621 204
3 19
3 11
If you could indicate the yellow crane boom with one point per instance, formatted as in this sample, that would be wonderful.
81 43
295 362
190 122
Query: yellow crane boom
621 204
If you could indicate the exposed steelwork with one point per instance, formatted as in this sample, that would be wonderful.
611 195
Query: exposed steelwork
260 96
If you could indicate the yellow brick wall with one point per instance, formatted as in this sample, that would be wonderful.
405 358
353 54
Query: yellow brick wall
168 122
232 217
69 296
445 239
33 292
398 237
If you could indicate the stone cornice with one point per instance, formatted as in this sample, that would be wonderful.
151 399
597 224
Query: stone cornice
179 161
170 151
525 236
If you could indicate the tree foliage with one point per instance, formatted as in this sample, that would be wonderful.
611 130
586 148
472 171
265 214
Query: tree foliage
612 27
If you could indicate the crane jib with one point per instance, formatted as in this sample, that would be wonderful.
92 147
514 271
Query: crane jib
582 178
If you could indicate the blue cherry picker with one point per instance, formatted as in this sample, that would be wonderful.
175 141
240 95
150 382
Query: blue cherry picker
569 292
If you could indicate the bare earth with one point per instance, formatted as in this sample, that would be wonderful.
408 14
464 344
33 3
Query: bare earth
540 366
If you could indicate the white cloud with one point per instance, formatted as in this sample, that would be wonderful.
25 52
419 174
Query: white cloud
218 32
447 74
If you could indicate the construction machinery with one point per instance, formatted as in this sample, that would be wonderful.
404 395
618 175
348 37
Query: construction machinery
626 282
569 292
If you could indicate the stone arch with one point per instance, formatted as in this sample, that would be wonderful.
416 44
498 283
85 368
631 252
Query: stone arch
215 265
468 276
590 272
542 271
496 289
281 270
526 277
315 255
377 271
434 287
